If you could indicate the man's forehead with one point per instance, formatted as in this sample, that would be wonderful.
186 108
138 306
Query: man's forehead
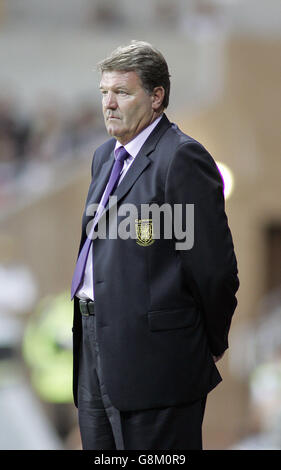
119 77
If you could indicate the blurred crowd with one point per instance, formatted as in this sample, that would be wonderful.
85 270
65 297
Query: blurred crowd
30 141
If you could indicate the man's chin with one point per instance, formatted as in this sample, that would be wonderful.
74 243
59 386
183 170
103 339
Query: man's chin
114 131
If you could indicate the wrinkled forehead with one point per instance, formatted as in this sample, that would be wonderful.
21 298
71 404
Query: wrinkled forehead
116 79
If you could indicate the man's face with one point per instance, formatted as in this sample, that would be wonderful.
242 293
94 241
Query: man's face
127 107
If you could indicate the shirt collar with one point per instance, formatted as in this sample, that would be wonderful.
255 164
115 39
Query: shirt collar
133 147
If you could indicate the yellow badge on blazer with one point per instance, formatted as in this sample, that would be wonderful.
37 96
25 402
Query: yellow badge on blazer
144 232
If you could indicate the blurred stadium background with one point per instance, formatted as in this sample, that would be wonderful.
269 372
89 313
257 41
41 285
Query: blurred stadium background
224 58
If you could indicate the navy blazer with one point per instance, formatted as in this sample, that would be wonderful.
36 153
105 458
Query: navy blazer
161 313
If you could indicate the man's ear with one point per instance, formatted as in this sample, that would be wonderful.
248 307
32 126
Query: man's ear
157 97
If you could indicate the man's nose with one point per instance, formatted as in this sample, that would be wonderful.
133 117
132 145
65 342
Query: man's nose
110 101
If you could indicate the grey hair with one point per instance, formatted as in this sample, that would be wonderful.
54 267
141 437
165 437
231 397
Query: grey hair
142 58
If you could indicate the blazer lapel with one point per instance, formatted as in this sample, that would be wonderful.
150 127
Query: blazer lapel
101 181
95 193
138 166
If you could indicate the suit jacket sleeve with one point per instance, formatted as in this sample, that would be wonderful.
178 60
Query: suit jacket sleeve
210 266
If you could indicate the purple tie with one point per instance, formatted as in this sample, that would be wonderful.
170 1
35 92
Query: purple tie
112 183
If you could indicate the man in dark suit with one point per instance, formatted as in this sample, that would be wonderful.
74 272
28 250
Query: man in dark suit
152 310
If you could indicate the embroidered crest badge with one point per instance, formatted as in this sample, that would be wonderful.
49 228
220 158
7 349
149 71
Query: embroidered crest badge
144 232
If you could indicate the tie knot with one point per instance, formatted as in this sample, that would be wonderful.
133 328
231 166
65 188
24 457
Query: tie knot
122 154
